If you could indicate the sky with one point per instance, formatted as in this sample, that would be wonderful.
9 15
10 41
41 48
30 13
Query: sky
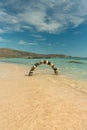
44 26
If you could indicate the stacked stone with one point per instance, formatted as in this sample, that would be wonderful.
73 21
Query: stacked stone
43 62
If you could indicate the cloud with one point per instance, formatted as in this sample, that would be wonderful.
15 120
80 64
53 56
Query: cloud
3 40
22 42
77 32
52 16
8 18
9 22
49 44
40 20
55 15
38 37
10 29
2 31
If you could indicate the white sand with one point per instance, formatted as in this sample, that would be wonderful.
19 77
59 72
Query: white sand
40 102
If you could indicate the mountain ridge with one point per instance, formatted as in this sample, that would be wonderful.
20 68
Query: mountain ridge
12 53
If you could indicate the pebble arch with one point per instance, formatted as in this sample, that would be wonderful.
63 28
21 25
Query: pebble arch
43 62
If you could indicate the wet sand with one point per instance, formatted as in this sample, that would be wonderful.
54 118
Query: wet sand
43 101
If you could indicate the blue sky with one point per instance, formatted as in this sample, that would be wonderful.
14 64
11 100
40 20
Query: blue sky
44 26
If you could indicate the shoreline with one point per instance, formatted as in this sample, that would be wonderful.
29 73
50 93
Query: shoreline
71 70
42 101
47 72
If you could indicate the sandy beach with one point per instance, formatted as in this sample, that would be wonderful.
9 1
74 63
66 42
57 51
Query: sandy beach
42 101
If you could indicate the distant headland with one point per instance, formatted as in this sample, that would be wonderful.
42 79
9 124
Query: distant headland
11 53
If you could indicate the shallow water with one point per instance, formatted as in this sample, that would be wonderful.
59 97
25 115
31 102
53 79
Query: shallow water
72 70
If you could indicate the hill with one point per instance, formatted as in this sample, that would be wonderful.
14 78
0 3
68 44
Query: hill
10 53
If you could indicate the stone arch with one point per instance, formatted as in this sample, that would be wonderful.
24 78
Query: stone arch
43 62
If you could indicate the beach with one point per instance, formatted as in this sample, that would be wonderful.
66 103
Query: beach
43 101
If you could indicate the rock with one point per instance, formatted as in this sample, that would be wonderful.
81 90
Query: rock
77 62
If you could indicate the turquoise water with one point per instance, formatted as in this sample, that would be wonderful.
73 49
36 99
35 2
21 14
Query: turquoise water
73 70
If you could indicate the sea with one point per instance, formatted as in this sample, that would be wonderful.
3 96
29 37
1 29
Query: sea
75 68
